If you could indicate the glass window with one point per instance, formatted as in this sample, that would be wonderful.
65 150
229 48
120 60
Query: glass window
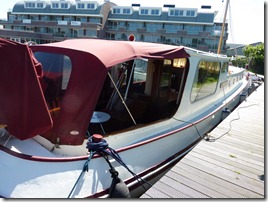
55 5
81 6
96 20
155 12
91 6
140 70
29 5
40 5
116 10
206 79
224 67
64 5
190 13
144 11
153 27
176 12
126 11
173 28
133 26
57 70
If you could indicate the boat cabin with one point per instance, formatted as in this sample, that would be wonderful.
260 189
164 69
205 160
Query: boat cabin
98 90
92 86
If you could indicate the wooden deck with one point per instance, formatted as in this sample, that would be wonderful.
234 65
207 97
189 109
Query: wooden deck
229 167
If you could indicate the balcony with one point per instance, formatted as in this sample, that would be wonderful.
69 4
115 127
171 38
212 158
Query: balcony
75 23
161 31
25 34
52 24
122 29
141 30
204 34
182 33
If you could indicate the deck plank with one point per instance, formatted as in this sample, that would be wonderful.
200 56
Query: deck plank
232 166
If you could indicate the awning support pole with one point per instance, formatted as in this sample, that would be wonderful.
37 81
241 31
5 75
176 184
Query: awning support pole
122 99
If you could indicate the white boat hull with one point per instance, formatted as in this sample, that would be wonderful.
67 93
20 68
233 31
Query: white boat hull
54 177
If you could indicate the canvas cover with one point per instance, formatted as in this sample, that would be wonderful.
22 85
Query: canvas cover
91 60
22 105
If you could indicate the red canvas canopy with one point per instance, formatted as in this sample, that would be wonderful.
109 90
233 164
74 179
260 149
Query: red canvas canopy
110 53
91 60
22 105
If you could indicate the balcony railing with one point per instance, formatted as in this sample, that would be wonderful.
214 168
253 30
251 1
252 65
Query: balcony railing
60 23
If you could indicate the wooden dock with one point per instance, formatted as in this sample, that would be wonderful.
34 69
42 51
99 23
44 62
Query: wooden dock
232 166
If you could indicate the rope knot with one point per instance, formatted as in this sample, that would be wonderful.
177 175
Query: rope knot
96 143
113 172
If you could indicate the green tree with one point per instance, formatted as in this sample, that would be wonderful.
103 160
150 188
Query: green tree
240 62
255 56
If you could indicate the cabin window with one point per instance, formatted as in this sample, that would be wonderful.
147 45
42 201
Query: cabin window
57 70
150 90
224 68
206 79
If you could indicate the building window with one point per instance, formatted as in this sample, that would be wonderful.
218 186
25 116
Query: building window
126 11
55 5
190 13
144 12
121 10
64 5
29 5
91 6
206 80
80 6
40 5
116 11
155 12
176 12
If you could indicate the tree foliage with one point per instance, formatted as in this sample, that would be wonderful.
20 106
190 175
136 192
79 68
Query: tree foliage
240 62
255 56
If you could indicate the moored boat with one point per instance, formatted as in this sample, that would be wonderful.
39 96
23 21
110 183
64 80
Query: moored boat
88 117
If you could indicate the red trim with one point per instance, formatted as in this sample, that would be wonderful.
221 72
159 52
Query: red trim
67 159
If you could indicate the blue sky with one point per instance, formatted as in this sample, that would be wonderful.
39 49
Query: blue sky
245 17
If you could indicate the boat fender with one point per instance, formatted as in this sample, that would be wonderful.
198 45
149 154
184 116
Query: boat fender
118 188
225 113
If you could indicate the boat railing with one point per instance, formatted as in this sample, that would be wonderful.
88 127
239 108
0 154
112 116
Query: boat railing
205 53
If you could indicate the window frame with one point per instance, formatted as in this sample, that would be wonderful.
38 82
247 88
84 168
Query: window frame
206 80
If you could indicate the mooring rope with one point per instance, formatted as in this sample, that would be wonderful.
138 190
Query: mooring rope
85 168
96 144
102 148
